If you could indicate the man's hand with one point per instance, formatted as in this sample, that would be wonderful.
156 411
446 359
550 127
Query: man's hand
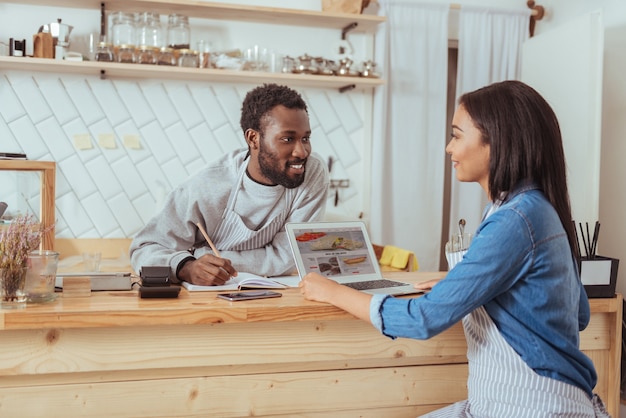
208 270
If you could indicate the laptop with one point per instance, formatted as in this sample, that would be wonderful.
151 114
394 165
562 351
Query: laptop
341 251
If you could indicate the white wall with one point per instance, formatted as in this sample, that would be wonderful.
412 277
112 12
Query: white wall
613 170
612 241
112 192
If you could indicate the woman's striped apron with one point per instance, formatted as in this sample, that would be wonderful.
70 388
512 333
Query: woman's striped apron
501 385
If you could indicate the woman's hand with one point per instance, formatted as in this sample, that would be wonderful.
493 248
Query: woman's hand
316 287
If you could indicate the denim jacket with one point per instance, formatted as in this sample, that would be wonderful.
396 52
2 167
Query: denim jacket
520 268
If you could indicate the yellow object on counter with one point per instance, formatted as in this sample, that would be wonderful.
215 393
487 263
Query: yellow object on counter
398 258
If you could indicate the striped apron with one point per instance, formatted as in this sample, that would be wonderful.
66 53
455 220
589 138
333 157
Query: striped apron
501 385
233 234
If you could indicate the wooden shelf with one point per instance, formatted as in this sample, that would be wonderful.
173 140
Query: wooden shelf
26 165
216 11
114 69
226 11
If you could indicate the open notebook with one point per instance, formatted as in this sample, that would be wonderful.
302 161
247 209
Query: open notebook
246 280
341 251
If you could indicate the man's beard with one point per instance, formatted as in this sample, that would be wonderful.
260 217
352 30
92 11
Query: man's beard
278 175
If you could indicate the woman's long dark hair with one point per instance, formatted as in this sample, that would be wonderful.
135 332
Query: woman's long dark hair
525 144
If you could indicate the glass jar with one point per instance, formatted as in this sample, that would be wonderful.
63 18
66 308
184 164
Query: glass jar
167 57
178 33
204 54
125 54
149 31
188 58
146 55
123 29
104 52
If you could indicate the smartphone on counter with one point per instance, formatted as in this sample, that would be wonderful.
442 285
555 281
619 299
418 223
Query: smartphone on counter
257 294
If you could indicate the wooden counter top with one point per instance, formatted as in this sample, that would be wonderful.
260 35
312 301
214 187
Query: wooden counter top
125 308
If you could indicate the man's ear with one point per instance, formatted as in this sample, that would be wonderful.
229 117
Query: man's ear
252 139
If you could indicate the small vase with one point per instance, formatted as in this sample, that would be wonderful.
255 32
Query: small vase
12 294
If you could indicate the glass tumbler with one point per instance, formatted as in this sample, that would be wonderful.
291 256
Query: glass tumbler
255 58
204 54
91 260
41 276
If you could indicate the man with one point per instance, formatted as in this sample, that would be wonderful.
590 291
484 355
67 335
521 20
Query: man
243 199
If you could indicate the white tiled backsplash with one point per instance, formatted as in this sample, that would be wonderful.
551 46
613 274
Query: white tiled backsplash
122 145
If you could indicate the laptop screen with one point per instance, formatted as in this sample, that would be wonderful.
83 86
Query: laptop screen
334 249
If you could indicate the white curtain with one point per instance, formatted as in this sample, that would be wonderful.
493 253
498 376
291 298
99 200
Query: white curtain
490 47
409 129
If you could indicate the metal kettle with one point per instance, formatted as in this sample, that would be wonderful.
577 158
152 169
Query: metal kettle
60 32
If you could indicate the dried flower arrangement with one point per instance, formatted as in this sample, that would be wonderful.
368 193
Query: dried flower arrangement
21 237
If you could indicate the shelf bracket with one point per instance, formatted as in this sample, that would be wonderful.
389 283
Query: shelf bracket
347 29
102 23
344 32
347 88
103 75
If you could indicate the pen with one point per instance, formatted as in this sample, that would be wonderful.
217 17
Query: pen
206 237
596 235
582 233
577 241
589 253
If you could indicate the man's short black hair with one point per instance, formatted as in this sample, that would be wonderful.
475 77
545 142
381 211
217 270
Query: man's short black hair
260 100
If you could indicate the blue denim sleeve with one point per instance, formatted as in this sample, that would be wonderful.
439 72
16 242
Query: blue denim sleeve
584 311
375 306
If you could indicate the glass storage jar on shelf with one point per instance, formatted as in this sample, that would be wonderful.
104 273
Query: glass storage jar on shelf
104 52
167 57
149 31
188 58
125 54
178 32
146 55
123 29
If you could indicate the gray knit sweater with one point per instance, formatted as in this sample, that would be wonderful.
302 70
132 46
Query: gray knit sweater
168 236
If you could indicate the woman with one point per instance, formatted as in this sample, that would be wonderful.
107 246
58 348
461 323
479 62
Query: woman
517 289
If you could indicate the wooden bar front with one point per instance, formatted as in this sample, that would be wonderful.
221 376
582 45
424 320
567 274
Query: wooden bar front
114 354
